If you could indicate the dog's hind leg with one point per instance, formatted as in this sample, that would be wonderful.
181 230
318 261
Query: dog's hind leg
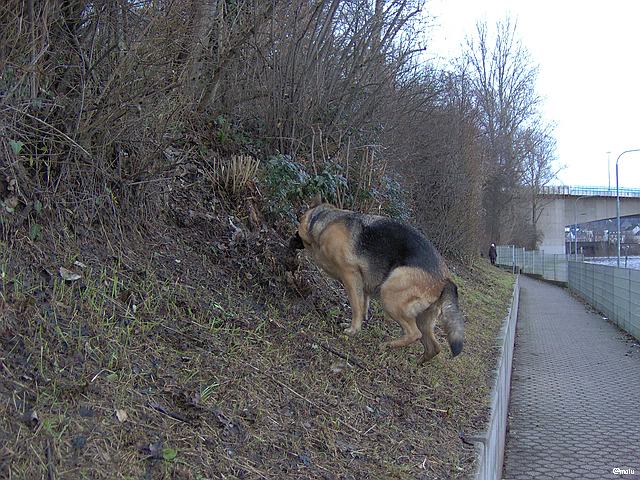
426 323
352 282
396 306
406 294
411 332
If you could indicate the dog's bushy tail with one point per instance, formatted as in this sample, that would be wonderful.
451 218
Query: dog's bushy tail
452 317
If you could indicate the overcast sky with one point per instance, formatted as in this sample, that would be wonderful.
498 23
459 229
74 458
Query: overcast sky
589 58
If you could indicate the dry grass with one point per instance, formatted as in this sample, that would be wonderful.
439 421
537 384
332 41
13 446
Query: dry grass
234 175
164 361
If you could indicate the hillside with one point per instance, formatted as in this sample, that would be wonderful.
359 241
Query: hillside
203 349
154 158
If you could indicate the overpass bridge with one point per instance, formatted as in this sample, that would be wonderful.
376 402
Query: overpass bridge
562 206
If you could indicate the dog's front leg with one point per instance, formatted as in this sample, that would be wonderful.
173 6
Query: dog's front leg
366 306
355 291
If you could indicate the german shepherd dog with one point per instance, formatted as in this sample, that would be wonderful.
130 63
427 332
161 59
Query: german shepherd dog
374 255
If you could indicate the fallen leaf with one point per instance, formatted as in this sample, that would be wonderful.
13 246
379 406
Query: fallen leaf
79 441
31 418
338 367
122 416
68 275
12 202
156 450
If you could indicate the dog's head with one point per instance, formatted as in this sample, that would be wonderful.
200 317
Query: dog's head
303 235
315 201
295 242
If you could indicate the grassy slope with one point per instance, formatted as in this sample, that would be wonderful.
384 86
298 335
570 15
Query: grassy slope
166 361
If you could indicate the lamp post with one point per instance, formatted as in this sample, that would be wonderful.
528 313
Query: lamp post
609 172
575 226
618 199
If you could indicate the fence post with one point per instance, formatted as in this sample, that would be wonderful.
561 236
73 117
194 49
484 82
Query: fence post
593 281
627 325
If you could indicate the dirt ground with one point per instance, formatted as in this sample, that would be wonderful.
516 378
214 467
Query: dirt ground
202 350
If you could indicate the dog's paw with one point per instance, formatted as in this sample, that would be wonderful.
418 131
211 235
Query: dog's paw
351 331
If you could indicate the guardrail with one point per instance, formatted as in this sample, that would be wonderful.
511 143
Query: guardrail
611 290
491 443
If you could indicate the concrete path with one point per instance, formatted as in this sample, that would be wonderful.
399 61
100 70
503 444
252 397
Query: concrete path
575 394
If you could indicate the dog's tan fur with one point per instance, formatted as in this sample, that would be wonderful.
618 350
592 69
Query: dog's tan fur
411 295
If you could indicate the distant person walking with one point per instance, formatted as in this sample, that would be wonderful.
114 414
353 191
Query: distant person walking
493 254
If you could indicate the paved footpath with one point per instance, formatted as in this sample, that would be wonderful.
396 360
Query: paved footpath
575 394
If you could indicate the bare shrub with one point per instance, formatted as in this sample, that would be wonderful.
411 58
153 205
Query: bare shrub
97 90
101 93
93 90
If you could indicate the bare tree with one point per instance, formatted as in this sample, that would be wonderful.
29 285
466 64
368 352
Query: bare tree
504 88
537 148
443 164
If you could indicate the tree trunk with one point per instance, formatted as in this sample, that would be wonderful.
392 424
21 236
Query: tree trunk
204 26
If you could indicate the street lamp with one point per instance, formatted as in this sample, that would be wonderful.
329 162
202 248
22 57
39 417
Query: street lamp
609 172
618 198
575 226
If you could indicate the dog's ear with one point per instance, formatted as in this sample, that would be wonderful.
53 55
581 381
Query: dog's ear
315 201
295 242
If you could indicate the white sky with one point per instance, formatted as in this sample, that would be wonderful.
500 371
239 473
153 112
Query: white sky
589 57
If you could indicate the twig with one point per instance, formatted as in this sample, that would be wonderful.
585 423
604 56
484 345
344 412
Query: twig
348 358
432 409
251 468
156 406
50 473
58 131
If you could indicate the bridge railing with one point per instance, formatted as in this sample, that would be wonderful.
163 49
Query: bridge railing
611 290
588 190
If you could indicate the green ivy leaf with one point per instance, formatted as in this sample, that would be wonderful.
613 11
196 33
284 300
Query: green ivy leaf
35 232
16 146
